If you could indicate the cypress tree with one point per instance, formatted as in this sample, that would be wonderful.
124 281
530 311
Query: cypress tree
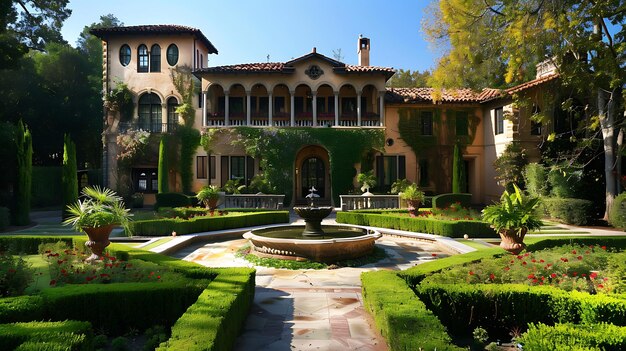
24 143
69 177
163 179
458 171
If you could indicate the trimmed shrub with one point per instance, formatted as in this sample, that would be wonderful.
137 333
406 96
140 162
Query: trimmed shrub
400 316
5 218
24 143
29 244
617 214
445 200
569 211
536 179
161 227
458 171
163 173
67 335
43 194
69 179
21 309
564 181
562 337
174 200
453 229
615 242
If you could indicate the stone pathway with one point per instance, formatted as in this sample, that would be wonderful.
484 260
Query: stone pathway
311 309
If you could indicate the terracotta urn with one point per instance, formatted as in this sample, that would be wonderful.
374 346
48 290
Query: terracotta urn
512 240
98 240
413 207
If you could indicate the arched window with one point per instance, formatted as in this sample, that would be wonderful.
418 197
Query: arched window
172 116
172 54
142 58
125 55
155 58
150 113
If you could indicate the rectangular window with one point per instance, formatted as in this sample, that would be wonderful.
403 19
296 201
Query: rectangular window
426 123
499 120
201 165
423 172
535 128
462 125
145 180
388 170
236 167
212 167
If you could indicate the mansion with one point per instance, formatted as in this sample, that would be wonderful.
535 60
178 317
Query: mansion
418 127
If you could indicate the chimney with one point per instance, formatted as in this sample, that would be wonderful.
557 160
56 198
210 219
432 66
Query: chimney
364 51
546 68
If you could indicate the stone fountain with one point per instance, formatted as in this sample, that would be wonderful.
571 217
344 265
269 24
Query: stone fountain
313 241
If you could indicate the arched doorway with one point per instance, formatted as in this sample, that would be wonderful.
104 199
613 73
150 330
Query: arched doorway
312 170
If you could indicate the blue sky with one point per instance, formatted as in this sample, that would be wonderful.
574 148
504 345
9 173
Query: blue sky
247 31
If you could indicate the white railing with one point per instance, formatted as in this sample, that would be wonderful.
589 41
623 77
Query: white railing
370 123
304 123
216 122
359 202
348 122
274 202
260 122
281 123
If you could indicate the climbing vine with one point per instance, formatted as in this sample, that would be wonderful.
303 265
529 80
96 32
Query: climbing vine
277 148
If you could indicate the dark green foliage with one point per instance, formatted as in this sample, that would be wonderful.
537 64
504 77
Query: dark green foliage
536 179
445 200
570 211
161 227
120 344
565 181
277 148
453 229
163 171
24 143
174 200
510 165
29 245
615 242
69 176
617 215
15 275
66 335
5 218
189 142
43 194
21 309
561 337
458 172
400 316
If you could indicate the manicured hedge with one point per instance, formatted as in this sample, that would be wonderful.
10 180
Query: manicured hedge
445 200
400 316
592 337
21 309
66 335
453 229
5 218
618 242
165 227
29 244
617 213
569 211
174 200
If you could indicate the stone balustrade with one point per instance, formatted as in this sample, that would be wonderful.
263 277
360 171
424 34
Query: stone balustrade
359 202
272 202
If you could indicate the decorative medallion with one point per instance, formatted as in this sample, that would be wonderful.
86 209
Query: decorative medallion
314 72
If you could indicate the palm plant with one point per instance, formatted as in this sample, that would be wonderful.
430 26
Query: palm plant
367 180
209 195
99 207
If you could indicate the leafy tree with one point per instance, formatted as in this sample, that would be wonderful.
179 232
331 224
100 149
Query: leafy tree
69 176
408 79
91 45
510 166
458 171
163 173
29 24
207 140
24 144
586 40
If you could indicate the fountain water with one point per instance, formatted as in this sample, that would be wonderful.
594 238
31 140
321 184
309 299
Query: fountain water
329 243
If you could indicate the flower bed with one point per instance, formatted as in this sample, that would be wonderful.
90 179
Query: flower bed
466 291
171 296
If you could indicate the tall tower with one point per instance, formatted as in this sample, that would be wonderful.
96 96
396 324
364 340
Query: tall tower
364 51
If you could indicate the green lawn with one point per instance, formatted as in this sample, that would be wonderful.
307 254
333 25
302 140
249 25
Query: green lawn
157 243
41 273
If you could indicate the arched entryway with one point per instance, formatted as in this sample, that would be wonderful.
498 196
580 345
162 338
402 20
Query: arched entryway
312 170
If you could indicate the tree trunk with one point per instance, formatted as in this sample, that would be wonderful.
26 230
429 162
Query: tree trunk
606 112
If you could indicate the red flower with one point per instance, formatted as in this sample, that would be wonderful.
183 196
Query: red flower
600 286
542 261
574 274
603 247
533 260
104 275
574 252
63 271
524 263
53 282
88 279
593 275
158 277
591 246
471 273
519 257
492 276
531 276
434 255
60 261
540 283
507 268
535 280
512 261
553 275
605 278
584 275
579 258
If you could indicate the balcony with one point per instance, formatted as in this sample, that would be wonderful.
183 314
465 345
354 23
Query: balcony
150 127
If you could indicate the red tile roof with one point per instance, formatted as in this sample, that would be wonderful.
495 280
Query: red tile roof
104 33
415 95
268 67
532 83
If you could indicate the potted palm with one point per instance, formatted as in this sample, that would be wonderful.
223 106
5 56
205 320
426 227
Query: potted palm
367 181
413 197
512 218
209 196
96 214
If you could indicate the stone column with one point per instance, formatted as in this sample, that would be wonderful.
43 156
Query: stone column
381 107
292 102
248 108
336 108
358 108
314 109
204 116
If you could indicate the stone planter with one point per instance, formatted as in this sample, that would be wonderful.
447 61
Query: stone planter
512 241
98 240
413 207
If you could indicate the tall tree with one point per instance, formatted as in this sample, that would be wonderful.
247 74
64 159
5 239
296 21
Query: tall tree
69 176
24 146
408 79
585 38
458 171
29 24
163 182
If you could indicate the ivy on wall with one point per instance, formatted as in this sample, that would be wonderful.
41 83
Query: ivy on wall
277 149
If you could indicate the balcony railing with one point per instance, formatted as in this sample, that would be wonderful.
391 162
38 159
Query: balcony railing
150 127
254 201
359 202
302 119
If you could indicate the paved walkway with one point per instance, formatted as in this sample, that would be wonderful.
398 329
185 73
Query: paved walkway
311 309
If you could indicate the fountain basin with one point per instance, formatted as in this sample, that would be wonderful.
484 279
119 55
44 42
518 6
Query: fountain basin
339 242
